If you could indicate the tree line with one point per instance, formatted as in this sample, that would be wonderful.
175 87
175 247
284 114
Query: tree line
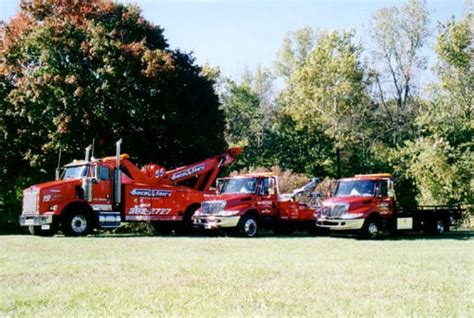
76 71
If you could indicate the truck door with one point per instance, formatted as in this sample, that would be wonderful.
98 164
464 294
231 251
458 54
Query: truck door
267 197
384 201
102 190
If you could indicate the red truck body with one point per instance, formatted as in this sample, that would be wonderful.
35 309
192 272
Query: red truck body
366 204
101 193
248 202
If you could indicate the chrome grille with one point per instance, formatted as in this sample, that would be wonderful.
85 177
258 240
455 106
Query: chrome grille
334 211
212 207
30 201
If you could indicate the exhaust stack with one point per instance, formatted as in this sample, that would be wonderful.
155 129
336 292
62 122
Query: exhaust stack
88 153
118 175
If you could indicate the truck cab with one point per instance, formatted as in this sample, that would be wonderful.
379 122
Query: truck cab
248 202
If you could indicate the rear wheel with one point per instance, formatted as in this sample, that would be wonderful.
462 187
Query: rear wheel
439 227
371 228
76 224
248 226
37 231
186 225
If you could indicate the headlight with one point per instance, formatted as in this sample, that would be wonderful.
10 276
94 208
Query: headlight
47 198
351 215
227 213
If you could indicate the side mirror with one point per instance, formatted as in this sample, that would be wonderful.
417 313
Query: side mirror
391 191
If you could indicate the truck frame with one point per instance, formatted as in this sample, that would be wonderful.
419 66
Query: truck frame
246 203
102 193
366 204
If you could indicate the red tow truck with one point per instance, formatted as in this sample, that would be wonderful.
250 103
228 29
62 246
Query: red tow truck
101 193
366 204
249 202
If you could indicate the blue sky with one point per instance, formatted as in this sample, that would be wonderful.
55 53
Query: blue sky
235 34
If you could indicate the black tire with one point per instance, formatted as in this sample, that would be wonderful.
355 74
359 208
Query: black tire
185 227
371 228
438 227
37 231
161 228
76 224
248 226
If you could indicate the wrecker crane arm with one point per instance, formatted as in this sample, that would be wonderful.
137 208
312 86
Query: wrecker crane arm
205 171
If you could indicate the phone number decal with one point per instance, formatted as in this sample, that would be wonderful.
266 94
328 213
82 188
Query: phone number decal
147 211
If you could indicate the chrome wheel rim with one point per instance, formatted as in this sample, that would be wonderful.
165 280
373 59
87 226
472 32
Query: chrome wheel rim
79 223
250 227
373 230
440 227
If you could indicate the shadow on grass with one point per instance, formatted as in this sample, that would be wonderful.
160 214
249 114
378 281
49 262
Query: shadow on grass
461 235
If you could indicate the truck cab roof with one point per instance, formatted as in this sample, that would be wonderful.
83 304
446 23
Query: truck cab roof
375 176
253 175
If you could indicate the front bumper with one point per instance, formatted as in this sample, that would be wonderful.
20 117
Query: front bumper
211 222
35 220
341 224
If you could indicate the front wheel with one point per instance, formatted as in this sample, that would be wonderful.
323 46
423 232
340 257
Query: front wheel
248 226
161 228
371 228
76 224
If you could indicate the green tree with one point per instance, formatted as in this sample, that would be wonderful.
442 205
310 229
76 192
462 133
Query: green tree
399 34
328 93
294 50
441 160
71 71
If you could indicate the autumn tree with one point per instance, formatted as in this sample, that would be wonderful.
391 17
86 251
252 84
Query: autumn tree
74 71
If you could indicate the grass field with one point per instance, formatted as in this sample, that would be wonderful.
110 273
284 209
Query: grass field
220 276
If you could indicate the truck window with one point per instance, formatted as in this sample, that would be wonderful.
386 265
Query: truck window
355 188
237 185
74 172
383 188
265 187
104 173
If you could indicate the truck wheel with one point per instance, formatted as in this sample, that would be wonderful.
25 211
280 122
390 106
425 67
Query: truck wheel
161 228
185 227
248 226
439 227
76 224
371 228
37 231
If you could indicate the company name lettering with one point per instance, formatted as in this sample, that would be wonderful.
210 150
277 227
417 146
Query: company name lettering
187 172
150 193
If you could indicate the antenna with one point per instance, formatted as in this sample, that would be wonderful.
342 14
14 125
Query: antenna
59 157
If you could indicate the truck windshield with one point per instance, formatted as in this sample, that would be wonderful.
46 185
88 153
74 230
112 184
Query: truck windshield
76 172
355 188
237 185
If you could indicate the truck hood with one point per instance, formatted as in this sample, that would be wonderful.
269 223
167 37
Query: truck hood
232 199
354 202
57 185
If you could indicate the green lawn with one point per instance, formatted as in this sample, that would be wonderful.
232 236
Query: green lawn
220 276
